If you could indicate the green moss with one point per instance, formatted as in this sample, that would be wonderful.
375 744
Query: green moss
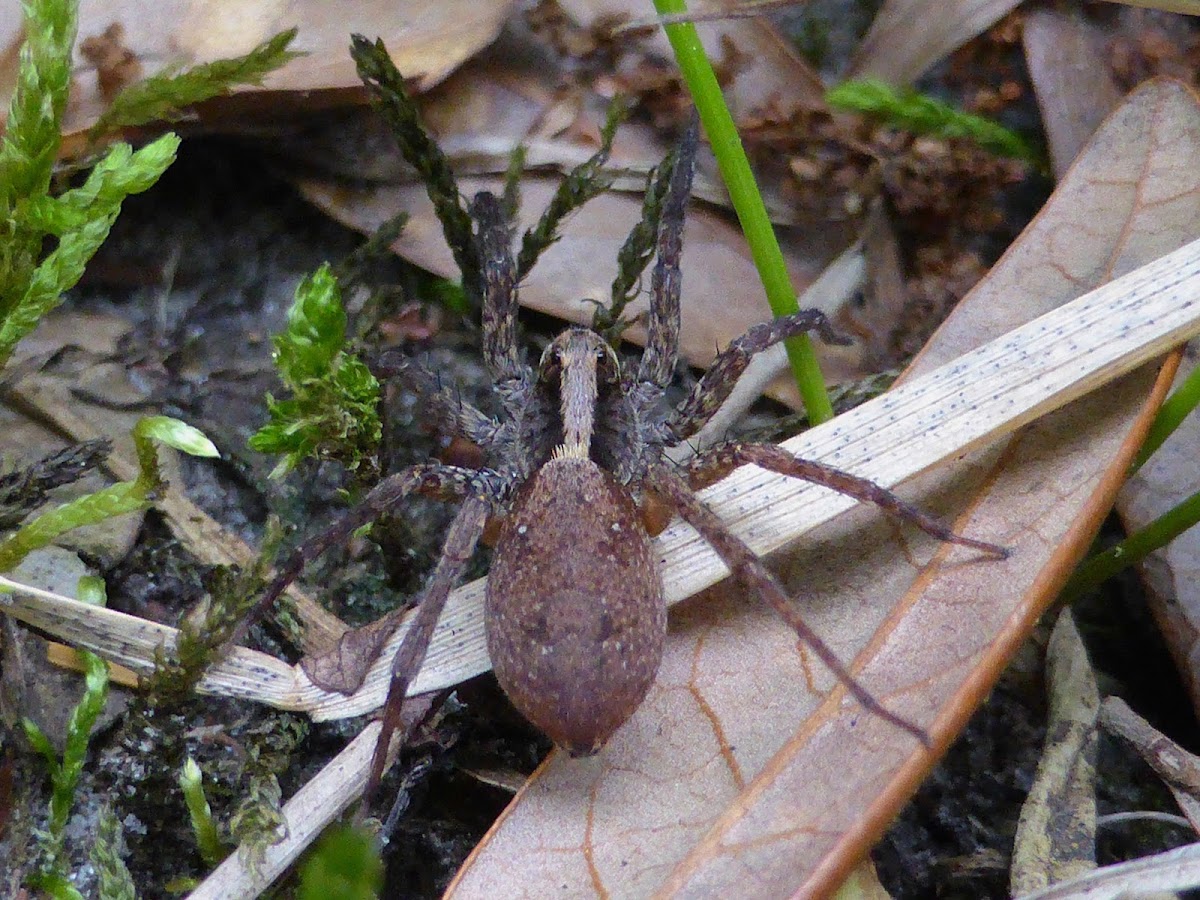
162 96
64 773
636 252
583 183
391 100
333 413
917 113
115 882
204 827
344 866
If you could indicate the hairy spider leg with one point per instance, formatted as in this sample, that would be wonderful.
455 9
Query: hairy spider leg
501 352
757 579
460 543
716 384
658 361
713 465
444 406
441 482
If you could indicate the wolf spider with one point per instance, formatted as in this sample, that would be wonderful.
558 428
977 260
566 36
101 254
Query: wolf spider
575 615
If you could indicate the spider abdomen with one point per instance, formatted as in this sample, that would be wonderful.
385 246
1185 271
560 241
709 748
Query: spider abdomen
575 613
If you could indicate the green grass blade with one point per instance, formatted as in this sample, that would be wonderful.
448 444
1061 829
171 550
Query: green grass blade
1183 400
1134 548
747 202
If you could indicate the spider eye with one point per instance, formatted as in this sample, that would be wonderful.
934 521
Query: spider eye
601 354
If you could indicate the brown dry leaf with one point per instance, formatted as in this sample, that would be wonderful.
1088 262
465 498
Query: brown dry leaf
767 75
722 295
885 297
1056 835
909 36
1074 94
428 41
747 772
509 95
1171 575
343 667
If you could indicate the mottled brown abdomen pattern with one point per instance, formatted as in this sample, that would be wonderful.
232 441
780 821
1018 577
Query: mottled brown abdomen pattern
575 614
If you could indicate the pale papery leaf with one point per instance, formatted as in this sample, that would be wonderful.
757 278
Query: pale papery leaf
1074 95
909 36
427 41
748 774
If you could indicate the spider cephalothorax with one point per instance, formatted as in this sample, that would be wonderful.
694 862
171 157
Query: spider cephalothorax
575 614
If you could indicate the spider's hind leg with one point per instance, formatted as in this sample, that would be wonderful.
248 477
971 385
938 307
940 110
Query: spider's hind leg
460 544
752 573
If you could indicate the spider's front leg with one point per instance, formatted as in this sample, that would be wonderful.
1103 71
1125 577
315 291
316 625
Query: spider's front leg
445 406
715 386
657 366
498 270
